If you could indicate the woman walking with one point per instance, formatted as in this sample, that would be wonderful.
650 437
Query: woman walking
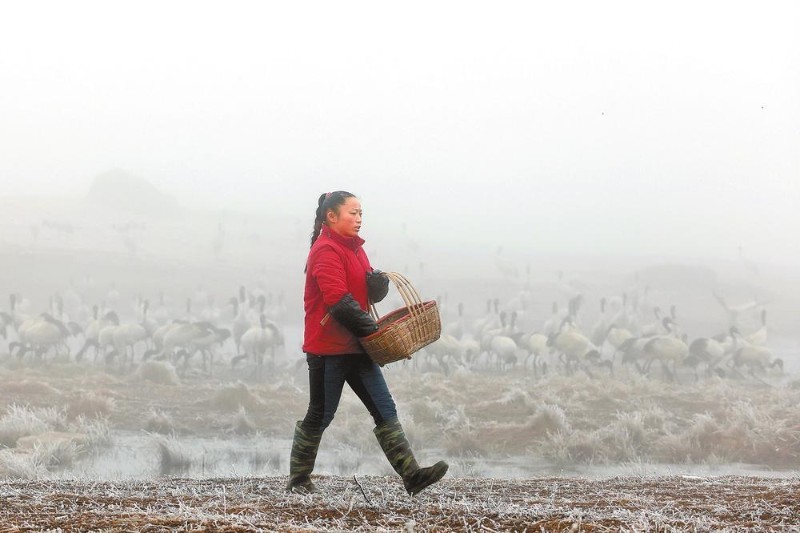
339 284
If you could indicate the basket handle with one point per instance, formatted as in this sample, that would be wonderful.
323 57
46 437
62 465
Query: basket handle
407 291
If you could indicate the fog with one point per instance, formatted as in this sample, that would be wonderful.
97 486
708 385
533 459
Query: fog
520 152
617 128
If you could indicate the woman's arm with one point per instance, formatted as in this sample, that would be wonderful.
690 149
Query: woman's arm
328 270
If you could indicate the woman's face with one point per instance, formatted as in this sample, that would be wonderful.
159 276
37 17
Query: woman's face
348 221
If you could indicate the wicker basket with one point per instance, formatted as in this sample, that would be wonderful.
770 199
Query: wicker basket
403 331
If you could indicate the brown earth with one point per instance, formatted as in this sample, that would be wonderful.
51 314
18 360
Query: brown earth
379 504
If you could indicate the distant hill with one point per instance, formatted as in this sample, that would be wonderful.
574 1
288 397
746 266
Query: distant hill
120 190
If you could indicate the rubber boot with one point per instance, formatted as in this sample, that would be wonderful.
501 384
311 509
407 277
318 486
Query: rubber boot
398 451
301 461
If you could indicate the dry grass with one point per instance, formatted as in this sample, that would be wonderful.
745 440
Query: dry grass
608 420
96 430
242 424
159 422
55 450
562 419
29 386
468 504
173 456
90 404
41 438
22 464
20 421
159 372
233 397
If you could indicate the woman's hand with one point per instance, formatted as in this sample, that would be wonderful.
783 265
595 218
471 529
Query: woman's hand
377 285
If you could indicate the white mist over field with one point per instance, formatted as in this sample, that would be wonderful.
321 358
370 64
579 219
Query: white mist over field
612 128
508 158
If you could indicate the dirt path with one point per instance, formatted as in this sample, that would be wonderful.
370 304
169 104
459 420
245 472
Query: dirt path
260 504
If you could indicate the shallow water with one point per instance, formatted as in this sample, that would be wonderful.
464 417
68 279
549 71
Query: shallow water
136 455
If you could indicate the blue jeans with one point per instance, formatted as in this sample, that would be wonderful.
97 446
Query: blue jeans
327 375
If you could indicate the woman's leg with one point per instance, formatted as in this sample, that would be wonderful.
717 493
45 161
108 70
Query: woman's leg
366 380
326 377
326 380
397 449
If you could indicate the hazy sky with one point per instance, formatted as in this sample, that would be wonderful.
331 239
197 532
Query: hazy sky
657 127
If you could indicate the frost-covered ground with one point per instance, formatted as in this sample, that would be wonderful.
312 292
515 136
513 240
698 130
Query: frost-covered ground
379 504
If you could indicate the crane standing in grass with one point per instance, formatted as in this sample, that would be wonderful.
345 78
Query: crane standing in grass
259 340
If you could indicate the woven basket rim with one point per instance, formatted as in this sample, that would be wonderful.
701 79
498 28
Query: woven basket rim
392 318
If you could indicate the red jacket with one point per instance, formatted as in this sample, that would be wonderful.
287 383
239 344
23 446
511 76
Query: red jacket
336 265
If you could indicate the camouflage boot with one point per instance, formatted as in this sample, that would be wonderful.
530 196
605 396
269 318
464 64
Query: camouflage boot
301 462
398 451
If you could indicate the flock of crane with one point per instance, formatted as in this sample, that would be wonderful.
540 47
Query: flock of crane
248 330
622 336
152 334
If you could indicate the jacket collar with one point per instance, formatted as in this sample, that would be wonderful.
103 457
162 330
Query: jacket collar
350 242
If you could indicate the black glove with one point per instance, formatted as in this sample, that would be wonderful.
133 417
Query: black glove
350 315
377 285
